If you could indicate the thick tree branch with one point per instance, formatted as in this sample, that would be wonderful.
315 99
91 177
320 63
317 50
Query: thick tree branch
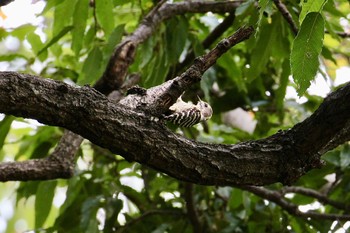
60 164
283 157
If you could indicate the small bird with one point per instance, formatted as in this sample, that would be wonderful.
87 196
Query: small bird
187 114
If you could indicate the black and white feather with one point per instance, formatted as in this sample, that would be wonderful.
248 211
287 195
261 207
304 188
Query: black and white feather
187 114
187 118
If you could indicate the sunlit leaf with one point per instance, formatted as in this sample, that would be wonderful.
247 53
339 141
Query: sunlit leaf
307 47
43 201
176 34
105 16
92 67
63 16
55 39
310 6
79 24
5 126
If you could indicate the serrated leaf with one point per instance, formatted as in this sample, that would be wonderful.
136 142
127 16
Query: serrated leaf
79 24
306 49
310 6
43 201
5 126
105 16
92 67
55 39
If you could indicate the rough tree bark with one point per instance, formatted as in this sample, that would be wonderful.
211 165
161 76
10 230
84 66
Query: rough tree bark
283 157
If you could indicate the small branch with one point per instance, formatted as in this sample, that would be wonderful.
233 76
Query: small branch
158 99
291 208
60 164
319 196
286 14
124 52
191 208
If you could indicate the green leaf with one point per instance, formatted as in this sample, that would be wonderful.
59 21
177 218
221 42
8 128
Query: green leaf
5 126
159 69
264 6
43 201
268 38
345 157
27 189
233 71
55 38
176 35
92 67
105 16
35 41
63 16
79 23
310 6
282 89
113 40
22 31
306 49
88 221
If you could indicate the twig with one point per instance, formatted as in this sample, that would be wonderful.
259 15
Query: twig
319 196
291 208
284 11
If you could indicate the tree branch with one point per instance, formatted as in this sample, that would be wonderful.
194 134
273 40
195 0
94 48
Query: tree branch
192 212
286 14
319 196
157 100
124 52
291 208
60 164
61 161
283 157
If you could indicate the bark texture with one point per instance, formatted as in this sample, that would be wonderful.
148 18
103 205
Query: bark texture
283 157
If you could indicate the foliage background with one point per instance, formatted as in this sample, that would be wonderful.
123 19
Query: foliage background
74 42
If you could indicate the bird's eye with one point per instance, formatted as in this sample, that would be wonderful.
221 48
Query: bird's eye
206 105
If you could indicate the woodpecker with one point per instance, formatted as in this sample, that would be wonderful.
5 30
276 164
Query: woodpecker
187 114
